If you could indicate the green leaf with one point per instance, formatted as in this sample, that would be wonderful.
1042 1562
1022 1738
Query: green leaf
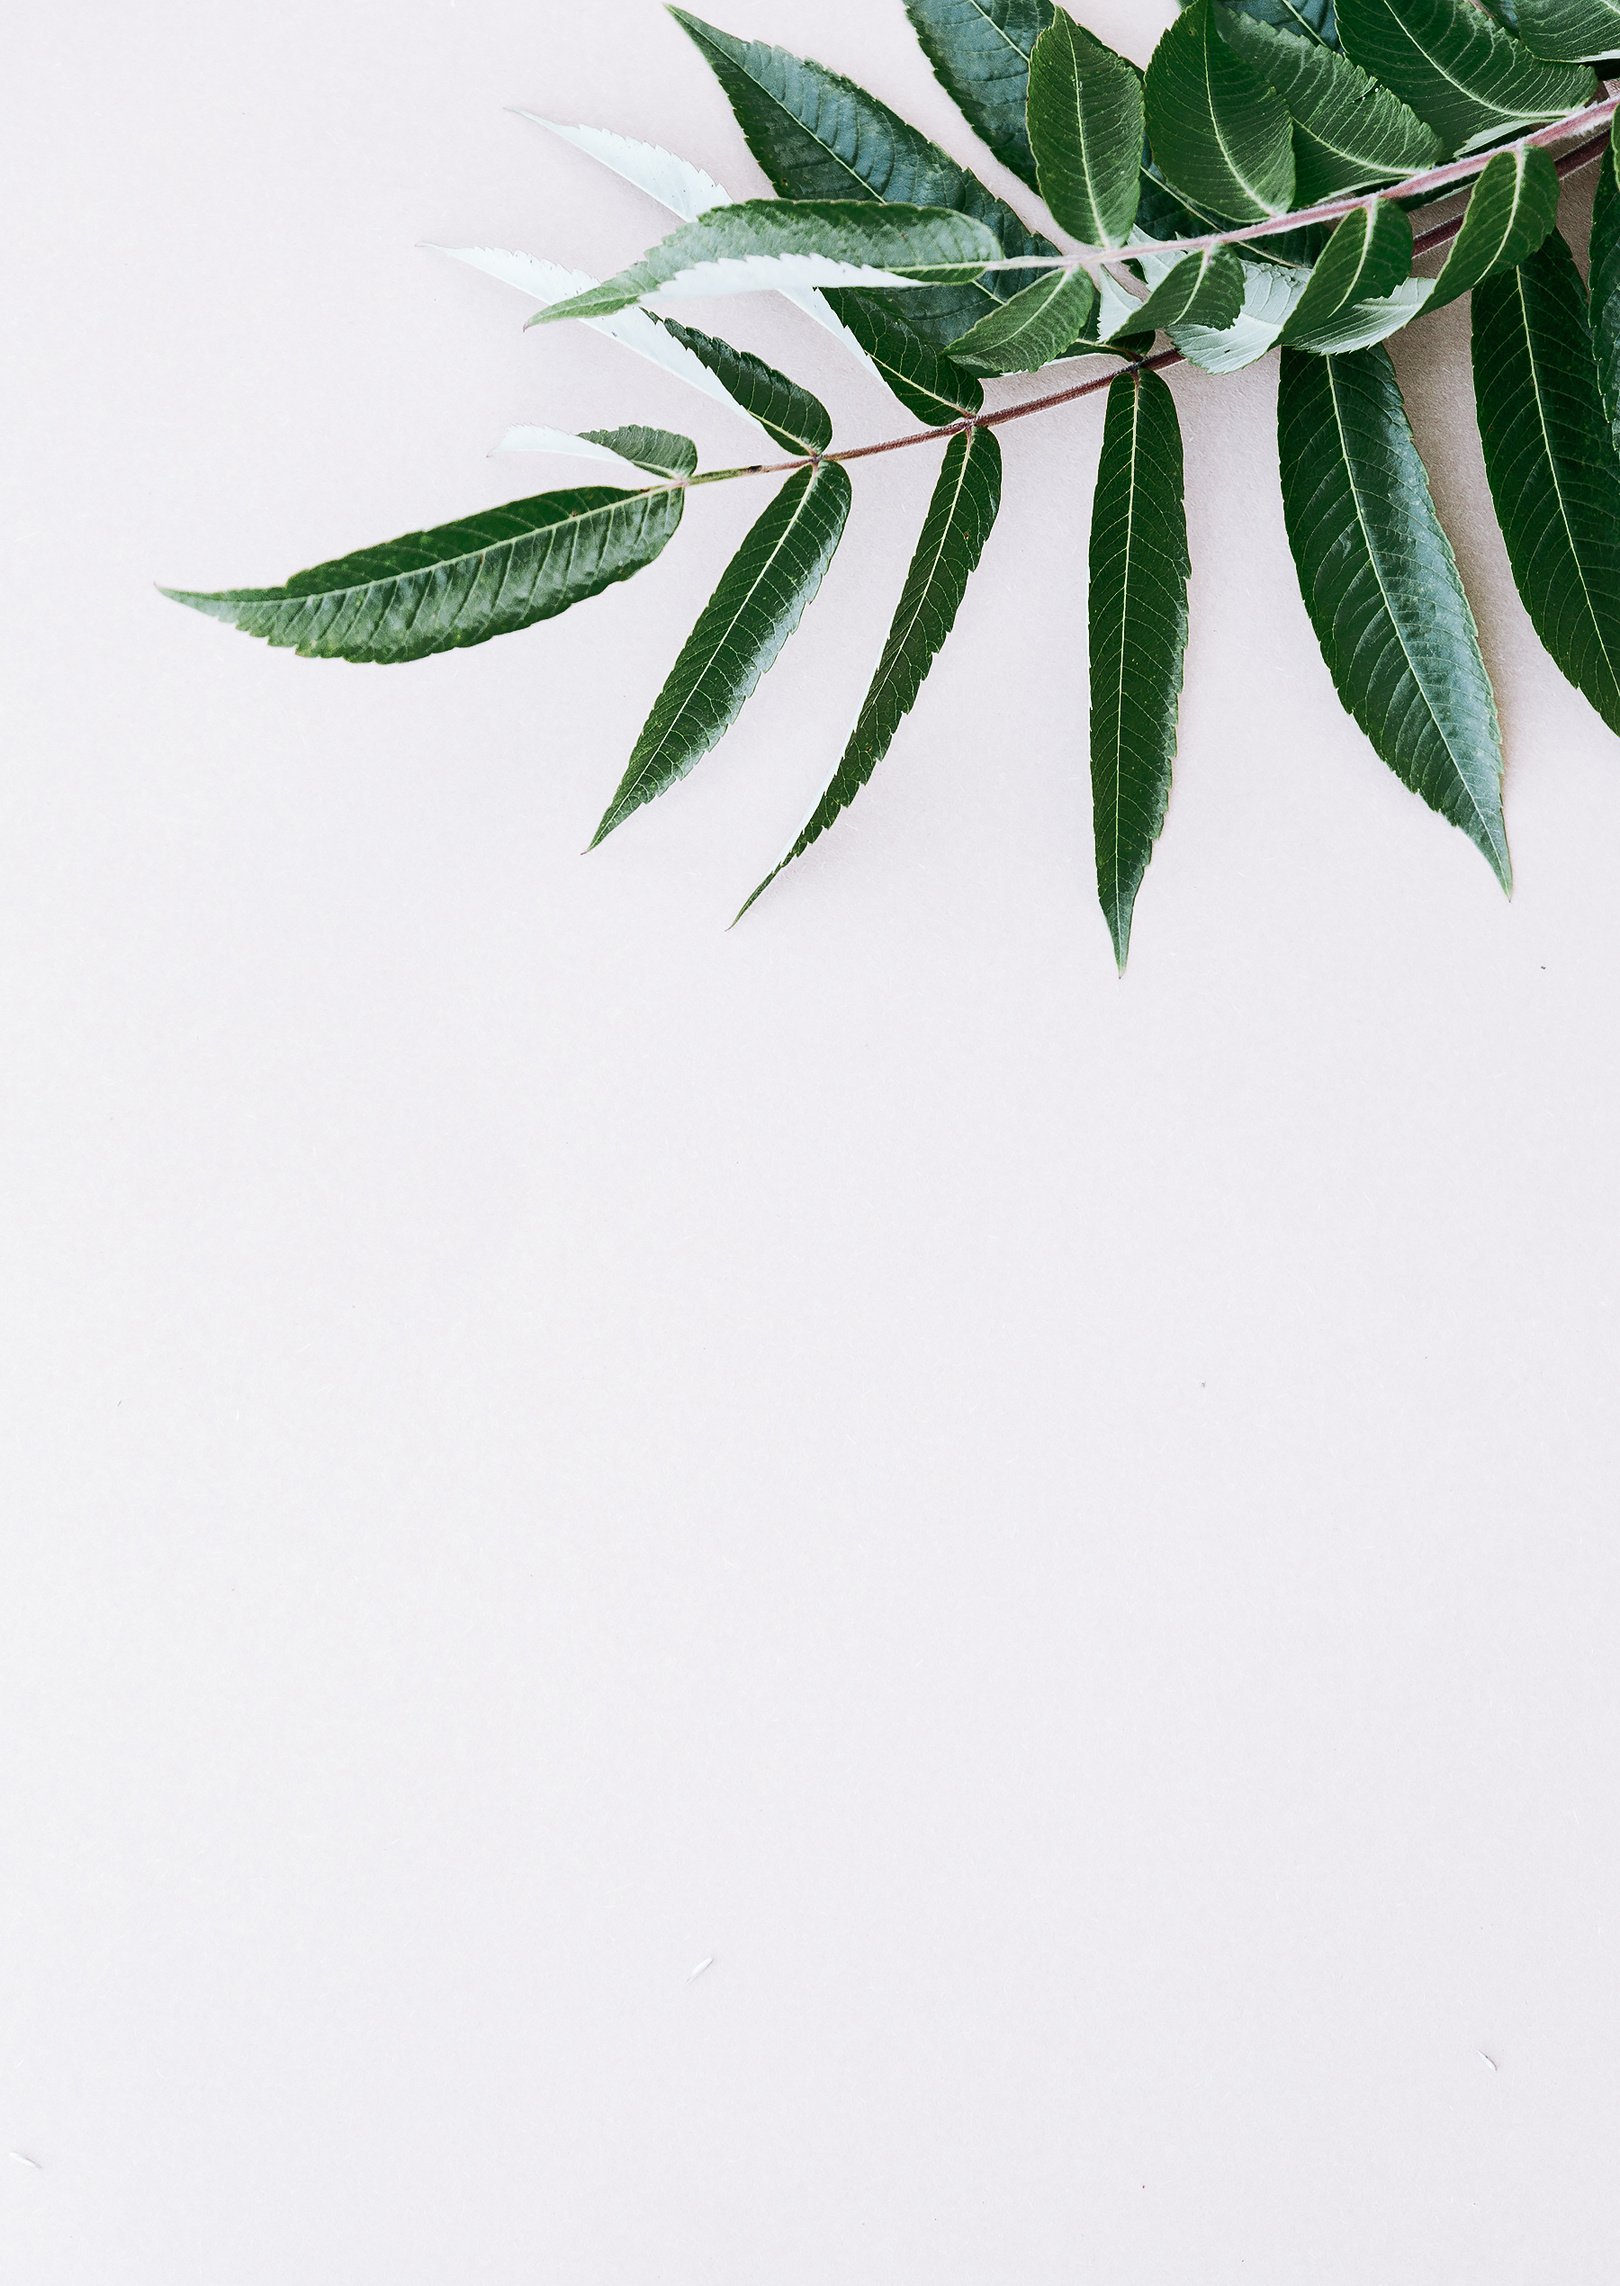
926 381
1139 573
1305 19
1513 207
959 521
1204 289
980 51
1465 75
1041 323
763 594
806 242
782 408
1351 299
1575 31
1271 292
1349 133
1220 133
458 584
819 136
1085 126
1606 282
627 452
1383 591
1550 459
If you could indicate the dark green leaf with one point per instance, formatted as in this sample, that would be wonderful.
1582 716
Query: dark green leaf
980 50
1139 573
1606 282
1578 31
1306 19
1085 126
1271 293
1550 458
459 583
1032 329
1383 591
1349 133
1465 75
782 408
662 452
1204 289
1354 297
1220 133
926 381
762 596
1514 206
797 242
960 516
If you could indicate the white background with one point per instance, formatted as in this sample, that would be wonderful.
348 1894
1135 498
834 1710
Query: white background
1063 1534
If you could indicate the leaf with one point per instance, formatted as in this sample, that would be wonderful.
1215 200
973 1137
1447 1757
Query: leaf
926 381
819 136
460 583
763 594
1307 19
1036 326
1139 573
1220 133
1200 290
1513 207
959 521
763 243
1350 302
980 51
1085 126
628 452
1349 133
1383 591
1464 74
1550 459
785 411
1574 31
1270 294
1606 283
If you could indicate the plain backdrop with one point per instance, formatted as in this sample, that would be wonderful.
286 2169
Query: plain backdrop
1059 1536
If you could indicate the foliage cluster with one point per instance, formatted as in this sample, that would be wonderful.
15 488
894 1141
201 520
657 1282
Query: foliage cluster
1254 189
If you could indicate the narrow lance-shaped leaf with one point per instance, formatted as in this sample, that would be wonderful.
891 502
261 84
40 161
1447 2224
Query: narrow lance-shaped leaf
1577 31
1139 573
1381 585
1354 296
959 521
1220 133
763 243
629 453
1036 326
1550 459
923 378
1606 282
1349 133
785 410
1204 289
458 584
1513 207
980 51
1085 126
763 594
1471 80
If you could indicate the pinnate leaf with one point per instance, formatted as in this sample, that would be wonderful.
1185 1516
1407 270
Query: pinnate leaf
1381 585
1349 133
1220 133
762 596
980 51
1085 125
1471 80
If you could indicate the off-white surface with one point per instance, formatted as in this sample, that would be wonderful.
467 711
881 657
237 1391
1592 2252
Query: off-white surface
1062 1536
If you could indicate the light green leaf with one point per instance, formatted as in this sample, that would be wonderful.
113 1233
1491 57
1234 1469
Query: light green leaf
1471 80
1085 126
1271 292
819 136
629 453
1606 282
1550 459
1220 133
1383 591
1036 326
1513 207
1204 289
764 243
1576 31
925 380
784 410
980 51
460 583
763 594
1139 574
1350 302
959 521
1349 133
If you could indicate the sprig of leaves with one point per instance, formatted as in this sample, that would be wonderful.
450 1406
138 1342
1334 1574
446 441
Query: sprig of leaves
1254 188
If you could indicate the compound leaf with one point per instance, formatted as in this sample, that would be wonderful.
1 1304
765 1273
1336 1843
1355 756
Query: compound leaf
763 594
1513 207
1036 326
1383 591
1550 459
980 51
1349 133
1085 126
458 584
960 517
1220 133
1471 80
